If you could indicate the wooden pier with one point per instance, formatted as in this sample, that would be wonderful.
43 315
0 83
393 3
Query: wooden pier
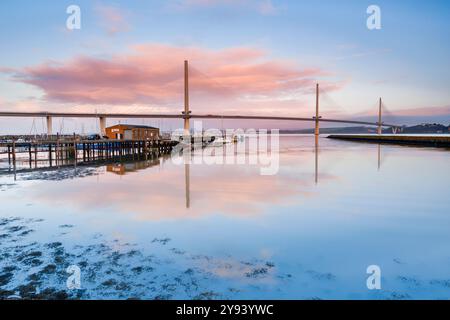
72 150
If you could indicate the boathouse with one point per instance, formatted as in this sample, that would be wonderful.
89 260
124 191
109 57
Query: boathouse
132 132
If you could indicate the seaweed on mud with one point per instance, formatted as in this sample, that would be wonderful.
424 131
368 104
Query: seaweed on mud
208 295
15 229
409 280
162 241
5 278
444 283
133 253
137 269
9 269
48 269
398 296
109 283
6 221
178 251
38 270
30 258
162 297
257 273
321 276
65 226
189 271
25 233
53 245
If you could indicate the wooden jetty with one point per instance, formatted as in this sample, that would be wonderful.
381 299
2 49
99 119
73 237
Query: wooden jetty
60 151
428 141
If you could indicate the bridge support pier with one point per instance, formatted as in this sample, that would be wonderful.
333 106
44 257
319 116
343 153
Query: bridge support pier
49 125
102 126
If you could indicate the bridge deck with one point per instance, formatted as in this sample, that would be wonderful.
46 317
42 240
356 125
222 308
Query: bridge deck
180 116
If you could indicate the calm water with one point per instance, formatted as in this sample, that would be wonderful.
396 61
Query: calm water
160 230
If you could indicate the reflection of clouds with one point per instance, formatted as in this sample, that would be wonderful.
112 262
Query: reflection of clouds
158 193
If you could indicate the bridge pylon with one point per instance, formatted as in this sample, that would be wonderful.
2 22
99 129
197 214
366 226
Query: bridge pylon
102 125
49 125
380 131
186 111
317 117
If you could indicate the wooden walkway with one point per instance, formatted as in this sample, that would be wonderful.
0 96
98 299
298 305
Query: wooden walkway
73 149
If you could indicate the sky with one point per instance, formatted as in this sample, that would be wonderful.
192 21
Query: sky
255 57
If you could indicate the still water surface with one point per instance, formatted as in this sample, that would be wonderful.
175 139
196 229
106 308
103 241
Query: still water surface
154 229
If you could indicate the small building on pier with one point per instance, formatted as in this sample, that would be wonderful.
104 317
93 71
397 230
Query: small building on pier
132 132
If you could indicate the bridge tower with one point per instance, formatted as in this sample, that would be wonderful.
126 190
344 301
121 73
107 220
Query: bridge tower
186 111
49 126
379 118
317 117
102 125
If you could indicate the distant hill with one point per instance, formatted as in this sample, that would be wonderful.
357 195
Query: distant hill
424 128
427 128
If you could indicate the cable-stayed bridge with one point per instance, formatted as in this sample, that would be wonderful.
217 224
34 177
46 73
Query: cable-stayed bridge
186 115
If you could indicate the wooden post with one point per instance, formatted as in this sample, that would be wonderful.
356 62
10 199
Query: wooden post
35 154
75 151
50 152
14 152
29 154
14 158
49 126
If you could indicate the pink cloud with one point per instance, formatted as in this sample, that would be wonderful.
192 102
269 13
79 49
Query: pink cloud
153 73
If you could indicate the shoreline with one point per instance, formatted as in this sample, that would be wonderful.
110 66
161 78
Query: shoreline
416 140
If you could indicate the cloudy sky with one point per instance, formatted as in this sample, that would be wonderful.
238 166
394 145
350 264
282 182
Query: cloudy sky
247 57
